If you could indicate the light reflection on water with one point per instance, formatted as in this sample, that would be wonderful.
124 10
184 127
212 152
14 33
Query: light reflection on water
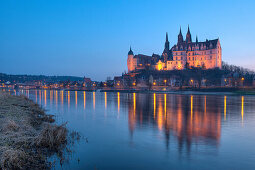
156 131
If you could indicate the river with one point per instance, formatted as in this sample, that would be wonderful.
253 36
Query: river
155 131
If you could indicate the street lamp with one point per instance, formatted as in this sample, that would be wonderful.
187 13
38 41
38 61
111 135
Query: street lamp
191 82
242 81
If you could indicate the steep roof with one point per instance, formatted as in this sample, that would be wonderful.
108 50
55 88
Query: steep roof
208 44
130 52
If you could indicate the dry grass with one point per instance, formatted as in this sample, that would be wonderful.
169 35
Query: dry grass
10 125
27 135
20 159
52 137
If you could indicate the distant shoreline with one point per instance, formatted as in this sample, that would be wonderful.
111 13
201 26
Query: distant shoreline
184 91
215 91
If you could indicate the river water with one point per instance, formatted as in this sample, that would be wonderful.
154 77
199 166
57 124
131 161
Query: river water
155 131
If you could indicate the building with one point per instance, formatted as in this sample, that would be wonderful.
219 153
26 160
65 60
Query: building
184 54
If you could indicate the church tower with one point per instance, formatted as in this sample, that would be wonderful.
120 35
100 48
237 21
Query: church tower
166 43
167 55
180 37
188 36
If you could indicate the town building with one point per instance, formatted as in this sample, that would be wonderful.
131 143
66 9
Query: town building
184 54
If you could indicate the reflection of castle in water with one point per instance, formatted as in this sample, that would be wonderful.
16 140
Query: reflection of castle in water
185 118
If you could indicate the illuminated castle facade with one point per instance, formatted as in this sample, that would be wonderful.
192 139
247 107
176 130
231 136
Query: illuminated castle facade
185 54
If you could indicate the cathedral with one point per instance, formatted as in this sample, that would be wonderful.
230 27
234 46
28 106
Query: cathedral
185 54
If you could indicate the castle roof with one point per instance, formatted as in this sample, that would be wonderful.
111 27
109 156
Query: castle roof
184 46
142 59
141 56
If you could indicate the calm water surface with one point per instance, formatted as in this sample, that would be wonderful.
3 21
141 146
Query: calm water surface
155 131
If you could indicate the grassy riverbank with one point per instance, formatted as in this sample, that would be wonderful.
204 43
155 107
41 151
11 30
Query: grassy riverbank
28 136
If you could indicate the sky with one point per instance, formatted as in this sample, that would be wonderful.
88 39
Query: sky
91 38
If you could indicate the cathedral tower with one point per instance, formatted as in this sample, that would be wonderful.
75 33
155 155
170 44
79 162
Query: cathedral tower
188 36
167 55
167 43
180 37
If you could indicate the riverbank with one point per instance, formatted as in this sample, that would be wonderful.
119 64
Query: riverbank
28 136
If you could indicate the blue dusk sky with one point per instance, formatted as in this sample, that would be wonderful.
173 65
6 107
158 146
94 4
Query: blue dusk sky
92 37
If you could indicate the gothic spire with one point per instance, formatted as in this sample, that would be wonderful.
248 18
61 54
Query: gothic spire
180 37
188 30
188 36
167 52
180 33
167 43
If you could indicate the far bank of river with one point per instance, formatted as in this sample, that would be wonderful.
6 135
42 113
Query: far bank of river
202 91
185 90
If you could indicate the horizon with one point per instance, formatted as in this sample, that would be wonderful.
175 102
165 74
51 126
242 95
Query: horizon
92 38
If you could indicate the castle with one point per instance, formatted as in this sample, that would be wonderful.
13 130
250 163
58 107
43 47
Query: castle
185 54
